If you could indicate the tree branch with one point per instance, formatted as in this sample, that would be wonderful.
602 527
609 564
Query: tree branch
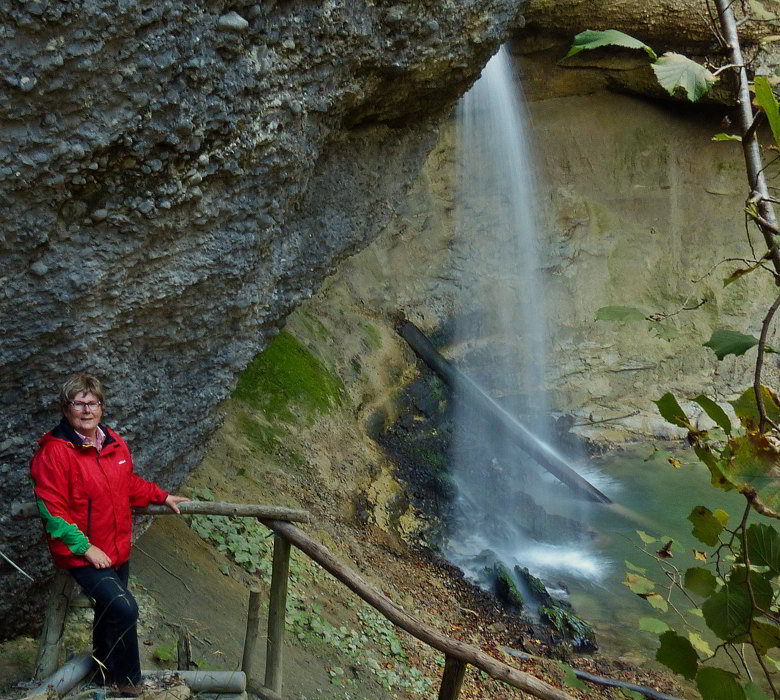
750 145
763 418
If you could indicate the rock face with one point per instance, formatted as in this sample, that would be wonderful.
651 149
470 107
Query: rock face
174 179
640 208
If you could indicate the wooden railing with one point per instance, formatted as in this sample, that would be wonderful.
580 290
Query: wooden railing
458 655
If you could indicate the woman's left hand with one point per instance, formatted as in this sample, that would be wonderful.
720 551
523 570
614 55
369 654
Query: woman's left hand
173 502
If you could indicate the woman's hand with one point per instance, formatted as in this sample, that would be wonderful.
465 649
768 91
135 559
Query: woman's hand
97 557
173 502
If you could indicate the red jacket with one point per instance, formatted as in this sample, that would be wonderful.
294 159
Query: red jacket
85 497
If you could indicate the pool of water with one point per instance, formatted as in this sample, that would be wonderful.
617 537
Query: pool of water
655 498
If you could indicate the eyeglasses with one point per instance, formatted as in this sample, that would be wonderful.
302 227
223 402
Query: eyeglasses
83 405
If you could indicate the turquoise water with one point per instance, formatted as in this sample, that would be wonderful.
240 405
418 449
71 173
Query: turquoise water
658 499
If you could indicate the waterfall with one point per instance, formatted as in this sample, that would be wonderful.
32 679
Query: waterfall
506 508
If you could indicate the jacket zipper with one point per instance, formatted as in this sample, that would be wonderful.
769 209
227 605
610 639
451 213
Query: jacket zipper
89 516
103 471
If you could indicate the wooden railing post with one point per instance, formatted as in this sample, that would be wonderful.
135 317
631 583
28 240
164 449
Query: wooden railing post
277 606
452 680
50 646
252 623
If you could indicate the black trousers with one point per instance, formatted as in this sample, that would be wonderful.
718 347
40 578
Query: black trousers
114 634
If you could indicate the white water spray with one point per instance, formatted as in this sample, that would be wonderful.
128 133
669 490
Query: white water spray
506 509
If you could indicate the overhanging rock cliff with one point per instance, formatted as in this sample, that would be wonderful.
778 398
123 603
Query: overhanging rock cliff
174 179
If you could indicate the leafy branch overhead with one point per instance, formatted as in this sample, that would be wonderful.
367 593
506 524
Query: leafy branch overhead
673 71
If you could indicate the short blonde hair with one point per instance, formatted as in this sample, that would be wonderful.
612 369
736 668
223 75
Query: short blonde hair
77 384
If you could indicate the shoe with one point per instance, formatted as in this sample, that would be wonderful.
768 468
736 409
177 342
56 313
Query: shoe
129 691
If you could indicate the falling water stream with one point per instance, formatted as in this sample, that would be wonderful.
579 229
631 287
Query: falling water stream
506 507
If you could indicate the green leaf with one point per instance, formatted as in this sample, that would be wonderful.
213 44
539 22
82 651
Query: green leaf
707 456
675 71
647 539
678 654
633 694
671 411
722 516
717 684
664 332
766 99
728 612
570 677
726 137
752 466
715 412
634 567
657 601
653 624
699 644
619 313
762 589
730 343
591 39
763 636
739 273
763 546
746 407
700 581
706 527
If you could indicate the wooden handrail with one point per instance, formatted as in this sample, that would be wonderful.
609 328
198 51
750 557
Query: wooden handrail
278 519
20 511
452 648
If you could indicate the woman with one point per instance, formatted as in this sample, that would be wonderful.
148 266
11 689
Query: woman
85 488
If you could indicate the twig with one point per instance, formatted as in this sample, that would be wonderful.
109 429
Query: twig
741 656
751 130
751 594
161 565
763 418
660 316
590 421
725 648
744 261
17 567
730 65
715 28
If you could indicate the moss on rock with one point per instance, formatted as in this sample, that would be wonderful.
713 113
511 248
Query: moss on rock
570 626
534 585
286 381
505 586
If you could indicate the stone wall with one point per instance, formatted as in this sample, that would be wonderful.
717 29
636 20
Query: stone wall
174 179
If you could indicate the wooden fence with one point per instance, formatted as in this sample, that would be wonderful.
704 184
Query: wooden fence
458 655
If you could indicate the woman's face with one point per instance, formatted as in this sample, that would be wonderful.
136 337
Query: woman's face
82 416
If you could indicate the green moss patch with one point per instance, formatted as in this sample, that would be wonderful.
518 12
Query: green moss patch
286 380
262 438
569 625
505 586
372 336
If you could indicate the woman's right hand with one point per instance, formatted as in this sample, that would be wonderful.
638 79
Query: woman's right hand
97 557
